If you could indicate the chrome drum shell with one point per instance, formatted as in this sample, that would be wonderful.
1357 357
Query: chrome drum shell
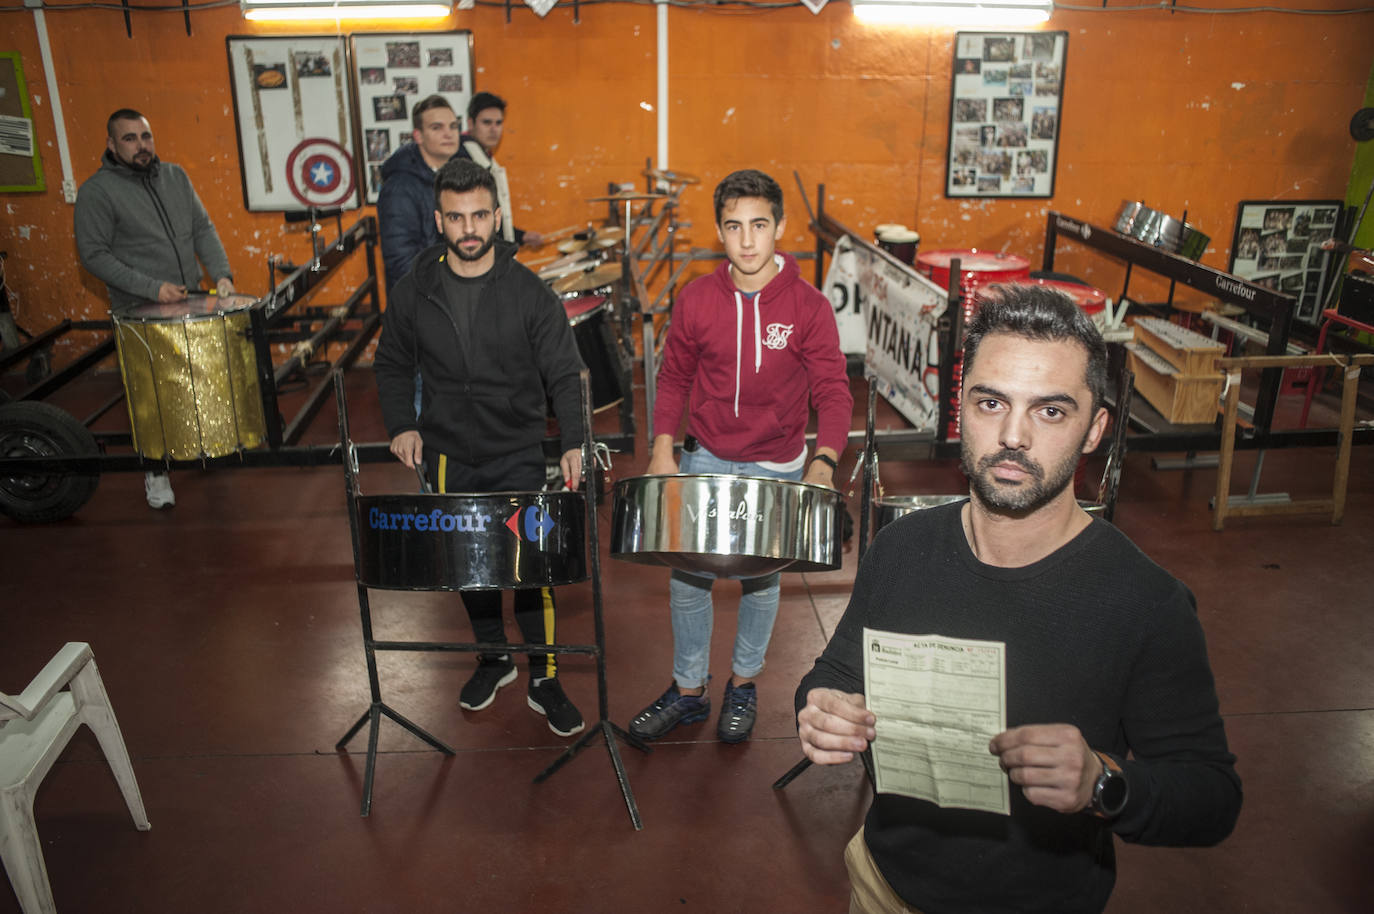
723 526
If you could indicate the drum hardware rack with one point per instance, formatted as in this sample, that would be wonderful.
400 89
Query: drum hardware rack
1270 308
593 454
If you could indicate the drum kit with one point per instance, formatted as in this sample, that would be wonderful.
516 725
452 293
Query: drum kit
584 279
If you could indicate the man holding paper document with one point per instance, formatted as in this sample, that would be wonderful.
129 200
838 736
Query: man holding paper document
1031 683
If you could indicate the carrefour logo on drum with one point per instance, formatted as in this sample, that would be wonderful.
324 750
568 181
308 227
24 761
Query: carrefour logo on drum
435 521
530 524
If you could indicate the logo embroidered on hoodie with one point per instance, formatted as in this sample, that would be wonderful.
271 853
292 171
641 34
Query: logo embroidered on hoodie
777 335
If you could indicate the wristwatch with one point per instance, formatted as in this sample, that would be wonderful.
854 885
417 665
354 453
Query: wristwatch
1111 791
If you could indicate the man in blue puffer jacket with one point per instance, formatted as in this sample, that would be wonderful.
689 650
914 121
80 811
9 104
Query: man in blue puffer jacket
405 209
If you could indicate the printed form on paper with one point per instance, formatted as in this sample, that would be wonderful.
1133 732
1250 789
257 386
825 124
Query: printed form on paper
938 702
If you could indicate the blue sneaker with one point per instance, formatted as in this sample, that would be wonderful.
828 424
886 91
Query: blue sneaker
671 708
737 712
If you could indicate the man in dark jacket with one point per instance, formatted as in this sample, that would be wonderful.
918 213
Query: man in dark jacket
140 228
492 346
405 207
486 124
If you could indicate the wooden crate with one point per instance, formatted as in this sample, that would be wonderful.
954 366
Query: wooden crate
1190 353
1180 398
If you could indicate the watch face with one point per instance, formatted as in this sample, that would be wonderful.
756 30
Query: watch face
1111 795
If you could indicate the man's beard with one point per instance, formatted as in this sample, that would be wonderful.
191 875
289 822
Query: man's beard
464 255
1039 491
136 165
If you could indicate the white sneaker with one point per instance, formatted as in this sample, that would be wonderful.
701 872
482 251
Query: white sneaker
158 487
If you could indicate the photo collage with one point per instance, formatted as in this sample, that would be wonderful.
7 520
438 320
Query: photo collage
395 71
1277 245
1004 114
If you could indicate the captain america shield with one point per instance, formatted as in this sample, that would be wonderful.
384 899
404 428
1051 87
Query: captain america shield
319 172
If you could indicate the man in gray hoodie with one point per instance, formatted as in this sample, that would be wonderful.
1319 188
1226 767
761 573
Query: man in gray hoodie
140 228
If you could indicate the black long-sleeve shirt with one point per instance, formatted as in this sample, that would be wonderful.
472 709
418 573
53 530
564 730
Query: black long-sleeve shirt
1097 636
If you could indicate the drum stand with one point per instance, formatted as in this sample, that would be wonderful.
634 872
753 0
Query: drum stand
378 708
869 461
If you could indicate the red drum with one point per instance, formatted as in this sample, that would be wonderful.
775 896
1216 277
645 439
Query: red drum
590 316
1093 301
976 270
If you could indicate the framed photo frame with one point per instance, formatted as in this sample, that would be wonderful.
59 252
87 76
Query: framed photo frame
391 72
1006 98
294 121
1276 244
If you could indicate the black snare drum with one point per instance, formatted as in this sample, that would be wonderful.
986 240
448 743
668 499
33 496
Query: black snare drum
590 316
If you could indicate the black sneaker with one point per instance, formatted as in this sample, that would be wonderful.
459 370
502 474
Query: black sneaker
737 712
548 699
492 673
671 708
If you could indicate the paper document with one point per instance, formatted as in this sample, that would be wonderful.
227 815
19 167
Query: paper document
938 702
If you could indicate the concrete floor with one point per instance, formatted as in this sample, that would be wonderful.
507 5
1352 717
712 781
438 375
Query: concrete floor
227 632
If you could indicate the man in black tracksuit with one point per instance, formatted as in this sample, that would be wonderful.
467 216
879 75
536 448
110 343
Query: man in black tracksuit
492 346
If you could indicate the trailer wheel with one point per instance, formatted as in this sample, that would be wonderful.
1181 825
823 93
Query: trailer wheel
29 428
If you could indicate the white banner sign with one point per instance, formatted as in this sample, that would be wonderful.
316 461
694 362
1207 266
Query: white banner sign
889 312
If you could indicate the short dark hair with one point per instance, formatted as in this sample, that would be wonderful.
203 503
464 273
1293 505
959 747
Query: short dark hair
123 114
484 100
427 104
461 176
1038 313
749 183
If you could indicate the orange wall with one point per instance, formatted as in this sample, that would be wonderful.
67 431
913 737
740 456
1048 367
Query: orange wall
1180 111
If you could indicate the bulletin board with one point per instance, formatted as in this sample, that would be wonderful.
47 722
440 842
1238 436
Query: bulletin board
394 70
20 166
1005 103
294 121
1277 245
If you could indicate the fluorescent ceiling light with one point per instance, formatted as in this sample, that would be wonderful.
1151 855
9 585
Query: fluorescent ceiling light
993 13
305 10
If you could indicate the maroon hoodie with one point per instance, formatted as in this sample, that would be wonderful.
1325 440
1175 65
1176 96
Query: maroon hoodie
749 366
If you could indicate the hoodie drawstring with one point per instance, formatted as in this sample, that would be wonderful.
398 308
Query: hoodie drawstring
739 341
739 344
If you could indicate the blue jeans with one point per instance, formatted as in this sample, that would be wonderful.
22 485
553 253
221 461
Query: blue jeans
689 598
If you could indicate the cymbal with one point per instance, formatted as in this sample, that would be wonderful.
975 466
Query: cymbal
607 235
569 263
587 280
626 195
672 177
601 239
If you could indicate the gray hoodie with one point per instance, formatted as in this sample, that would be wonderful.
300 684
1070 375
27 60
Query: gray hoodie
136 230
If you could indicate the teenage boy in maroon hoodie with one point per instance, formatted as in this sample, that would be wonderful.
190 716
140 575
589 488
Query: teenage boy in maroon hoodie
751 344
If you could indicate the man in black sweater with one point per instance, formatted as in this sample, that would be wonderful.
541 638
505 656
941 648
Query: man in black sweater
1113 725
492 346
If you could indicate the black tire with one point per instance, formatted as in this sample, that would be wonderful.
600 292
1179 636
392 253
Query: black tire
29 428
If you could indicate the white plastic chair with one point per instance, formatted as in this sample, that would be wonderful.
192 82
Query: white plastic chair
35 726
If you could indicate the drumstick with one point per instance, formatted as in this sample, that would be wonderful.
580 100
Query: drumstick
421 472
538 260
